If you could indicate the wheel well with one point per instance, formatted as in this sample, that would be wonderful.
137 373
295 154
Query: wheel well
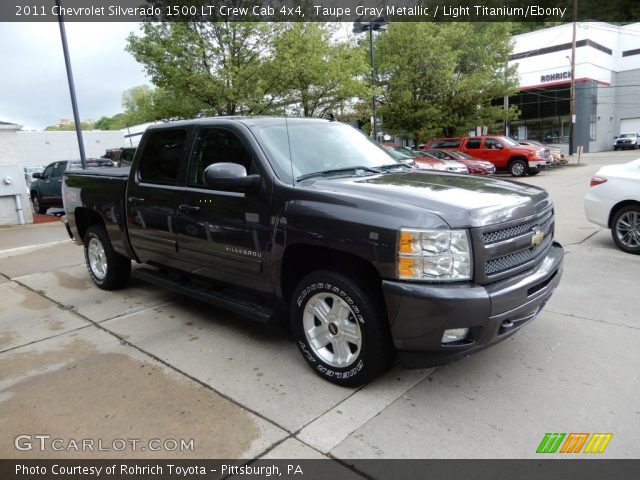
85 218
618 206
300 260
513 159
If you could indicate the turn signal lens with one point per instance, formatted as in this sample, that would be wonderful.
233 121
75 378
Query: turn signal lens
434 255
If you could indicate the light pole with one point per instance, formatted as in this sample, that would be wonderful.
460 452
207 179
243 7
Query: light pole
572 105
72 88
359 26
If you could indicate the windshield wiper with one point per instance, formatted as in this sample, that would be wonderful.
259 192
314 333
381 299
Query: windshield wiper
391 166
335 171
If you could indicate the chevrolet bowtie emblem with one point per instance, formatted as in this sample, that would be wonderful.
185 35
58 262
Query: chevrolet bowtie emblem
537 238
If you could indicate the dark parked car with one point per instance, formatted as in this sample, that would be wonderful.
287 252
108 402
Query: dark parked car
309 221
46 189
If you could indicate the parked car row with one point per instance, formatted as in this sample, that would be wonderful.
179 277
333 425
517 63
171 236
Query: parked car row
503 152
46 189
484 155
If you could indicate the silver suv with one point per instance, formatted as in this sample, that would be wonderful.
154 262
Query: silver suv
626 140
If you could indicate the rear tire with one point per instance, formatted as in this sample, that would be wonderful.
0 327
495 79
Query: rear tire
108 270
341 328
518 168
625 229
37 204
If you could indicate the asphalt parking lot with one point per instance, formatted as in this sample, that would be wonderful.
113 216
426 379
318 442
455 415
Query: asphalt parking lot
80 363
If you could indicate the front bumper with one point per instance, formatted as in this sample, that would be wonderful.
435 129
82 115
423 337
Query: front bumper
539 164
419 314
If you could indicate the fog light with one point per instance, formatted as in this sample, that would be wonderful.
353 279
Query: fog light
455 335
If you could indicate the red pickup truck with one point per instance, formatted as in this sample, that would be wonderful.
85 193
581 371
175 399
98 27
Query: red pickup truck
504 153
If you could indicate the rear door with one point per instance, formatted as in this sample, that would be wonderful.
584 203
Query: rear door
225 235
154 192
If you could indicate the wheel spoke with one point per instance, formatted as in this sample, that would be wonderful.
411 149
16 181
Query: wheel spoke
351 332
319 308
340 310
341 352
319 337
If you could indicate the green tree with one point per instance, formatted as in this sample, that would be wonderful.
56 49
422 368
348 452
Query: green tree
213 67
314 74
69 127
441 79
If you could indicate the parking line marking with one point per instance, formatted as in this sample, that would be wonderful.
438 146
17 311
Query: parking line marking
28 248
333 427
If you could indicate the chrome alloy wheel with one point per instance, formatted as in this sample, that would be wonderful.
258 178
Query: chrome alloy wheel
97 258
517 169
332 330
628 229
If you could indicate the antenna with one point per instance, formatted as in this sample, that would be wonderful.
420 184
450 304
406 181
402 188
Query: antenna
286 123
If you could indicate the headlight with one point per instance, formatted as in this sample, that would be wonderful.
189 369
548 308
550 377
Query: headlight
434 255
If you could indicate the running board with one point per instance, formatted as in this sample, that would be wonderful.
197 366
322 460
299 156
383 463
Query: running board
225 301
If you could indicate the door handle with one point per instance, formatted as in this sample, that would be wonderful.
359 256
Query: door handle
135 200
188 209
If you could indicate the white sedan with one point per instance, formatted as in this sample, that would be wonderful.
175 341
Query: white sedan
613 201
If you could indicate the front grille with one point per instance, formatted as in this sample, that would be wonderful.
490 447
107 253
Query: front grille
515 231
516 259
506 249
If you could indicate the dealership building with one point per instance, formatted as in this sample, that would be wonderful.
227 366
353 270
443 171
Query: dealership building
607 84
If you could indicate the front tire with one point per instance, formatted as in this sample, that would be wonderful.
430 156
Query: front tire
341 328
625 229
108 270
518 168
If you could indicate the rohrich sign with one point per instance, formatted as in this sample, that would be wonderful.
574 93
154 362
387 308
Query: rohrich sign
553 77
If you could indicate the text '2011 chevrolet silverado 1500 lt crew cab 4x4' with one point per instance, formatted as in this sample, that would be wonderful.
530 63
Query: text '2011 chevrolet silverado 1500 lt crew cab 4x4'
306 219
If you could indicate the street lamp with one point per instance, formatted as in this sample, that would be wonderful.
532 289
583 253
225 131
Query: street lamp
378 25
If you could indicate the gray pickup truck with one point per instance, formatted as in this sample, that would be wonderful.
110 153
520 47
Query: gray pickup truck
367 258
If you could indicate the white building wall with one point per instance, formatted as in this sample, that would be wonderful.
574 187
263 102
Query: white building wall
42 148
10 166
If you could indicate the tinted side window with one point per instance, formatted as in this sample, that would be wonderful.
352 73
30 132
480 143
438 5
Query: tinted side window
163 152
48 171
59 170
492 143
446 143
473 143
216 145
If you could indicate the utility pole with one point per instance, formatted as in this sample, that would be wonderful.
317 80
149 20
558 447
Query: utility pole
572 99
379 24
72 88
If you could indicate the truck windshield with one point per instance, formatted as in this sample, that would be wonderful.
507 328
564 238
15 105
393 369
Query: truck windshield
312 147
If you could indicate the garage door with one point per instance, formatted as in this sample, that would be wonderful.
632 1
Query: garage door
630 125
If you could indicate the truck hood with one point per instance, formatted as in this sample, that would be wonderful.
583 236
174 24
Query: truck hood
462 201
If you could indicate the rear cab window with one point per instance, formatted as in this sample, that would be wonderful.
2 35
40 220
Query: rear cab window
474 143
163 156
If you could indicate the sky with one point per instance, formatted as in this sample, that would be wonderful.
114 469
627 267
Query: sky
33 82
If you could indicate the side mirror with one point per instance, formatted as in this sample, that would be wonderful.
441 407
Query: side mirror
230 176
37 175
499 146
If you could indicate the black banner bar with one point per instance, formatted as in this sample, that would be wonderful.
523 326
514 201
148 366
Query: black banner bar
625 11
556 469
